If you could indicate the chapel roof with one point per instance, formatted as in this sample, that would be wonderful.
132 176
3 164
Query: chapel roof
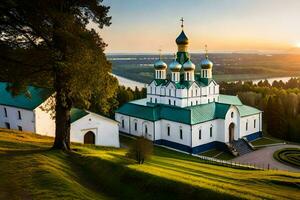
34 97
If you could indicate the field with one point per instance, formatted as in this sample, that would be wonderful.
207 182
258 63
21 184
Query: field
227 66
28 170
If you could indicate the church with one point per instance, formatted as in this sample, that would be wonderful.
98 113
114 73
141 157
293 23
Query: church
184 110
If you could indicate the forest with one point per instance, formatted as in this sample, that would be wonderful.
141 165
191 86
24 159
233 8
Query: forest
280 103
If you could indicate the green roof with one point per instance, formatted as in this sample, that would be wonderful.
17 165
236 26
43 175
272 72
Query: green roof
187 115
184 84
77 114
33 98
247 110
229 99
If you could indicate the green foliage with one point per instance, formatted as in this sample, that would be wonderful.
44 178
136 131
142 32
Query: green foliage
288 155
279 101
47 43
140 150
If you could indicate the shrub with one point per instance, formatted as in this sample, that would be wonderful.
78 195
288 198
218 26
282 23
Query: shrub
140 150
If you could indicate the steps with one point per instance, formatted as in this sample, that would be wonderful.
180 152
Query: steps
241 147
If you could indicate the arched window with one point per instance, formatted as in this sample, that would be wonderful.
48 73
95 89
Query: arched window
232 114
169 101
180 133
146 129
174 103
135 125
211 131
168 130
200 134
254 123
150 99
123 123
246 126
155 100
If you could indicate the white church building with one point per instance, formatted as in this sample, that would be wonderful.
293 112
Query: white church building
28 114
184 109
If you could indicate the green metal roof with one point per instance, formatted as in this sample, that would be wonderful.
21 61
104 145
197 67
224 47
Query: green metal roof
201 82
33 98
229 99
247 110
188 115
77 114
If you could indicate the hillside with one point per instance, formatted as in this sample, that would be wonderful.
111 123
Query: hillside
28 170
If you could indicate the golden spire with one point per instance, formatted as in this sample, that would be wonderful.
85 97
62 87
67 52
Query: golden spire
206 51
182 20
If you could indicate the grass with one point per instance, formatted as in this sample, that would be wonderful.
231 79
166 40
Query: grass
28 170
265 141
290 156
215 153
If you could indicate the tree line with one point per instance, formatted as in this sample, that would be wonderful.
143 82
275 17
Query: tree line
121 95
279 101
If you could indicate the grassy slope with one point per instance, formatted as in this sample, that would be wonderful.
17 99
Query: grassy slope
28 170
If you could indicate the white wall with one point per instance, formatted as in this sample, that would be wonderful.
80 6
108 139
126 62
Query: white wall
44 123
27 121
250 119
217 132
235 120
105 130
175 132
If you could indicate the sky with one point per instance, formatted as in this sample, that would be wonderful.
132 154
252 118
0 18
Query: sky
144 26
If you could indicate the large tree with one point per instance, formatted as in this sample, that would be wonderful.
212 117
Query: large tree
47 43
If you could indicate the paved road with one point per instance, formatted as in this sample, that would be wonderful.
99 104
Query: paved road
264 156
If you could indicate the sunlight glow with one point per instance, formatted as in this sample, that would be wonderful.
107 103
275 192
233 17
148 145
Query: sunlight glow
298 45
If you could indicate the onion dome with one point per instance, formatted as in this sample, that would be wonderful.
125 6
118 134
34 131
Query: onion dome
174 65
160 65
182 39
206 63
188 65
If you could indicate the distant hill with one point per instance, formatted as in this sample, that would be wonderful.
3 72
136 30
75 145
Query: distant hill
28 170
227 66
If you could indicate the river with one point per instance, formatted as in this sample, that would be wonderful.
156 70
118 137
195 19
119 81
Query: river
132 84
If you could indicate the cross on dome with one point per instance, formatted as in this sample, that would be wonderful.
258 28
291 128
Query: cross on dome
159 53
182 20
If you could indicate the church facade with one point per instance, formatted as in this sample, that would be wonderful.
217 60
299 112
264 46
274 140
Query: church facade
184 109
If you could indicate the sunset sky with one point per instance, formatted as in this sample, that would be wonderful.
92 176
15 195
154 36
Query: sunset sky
144 26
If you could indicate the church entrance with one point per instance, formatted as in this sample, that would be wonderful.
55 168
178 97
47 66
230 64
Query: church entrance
231 132
89 138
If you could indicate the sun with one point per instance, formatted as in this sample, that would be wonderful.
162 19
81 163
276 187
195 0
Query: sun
297 45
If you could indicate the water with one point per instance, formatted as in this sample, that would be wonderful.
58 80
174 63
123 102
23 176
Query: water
132 84
129 83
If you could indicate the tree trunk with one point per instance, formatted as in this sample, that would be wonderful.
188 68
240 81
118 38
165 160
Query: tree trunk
62 116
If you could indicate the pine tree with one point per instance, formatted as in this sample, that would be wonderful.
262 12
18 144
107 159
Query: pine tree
47 43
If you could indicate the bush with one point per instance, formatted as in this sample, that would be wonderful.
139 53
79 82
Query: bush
289 156
140 150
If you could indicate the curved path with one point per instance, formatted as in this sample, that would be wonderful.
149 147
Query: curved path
264 156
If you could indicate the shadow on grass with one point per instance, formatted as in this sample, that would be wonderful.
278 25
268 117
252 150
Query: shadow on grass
121 182
12 153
